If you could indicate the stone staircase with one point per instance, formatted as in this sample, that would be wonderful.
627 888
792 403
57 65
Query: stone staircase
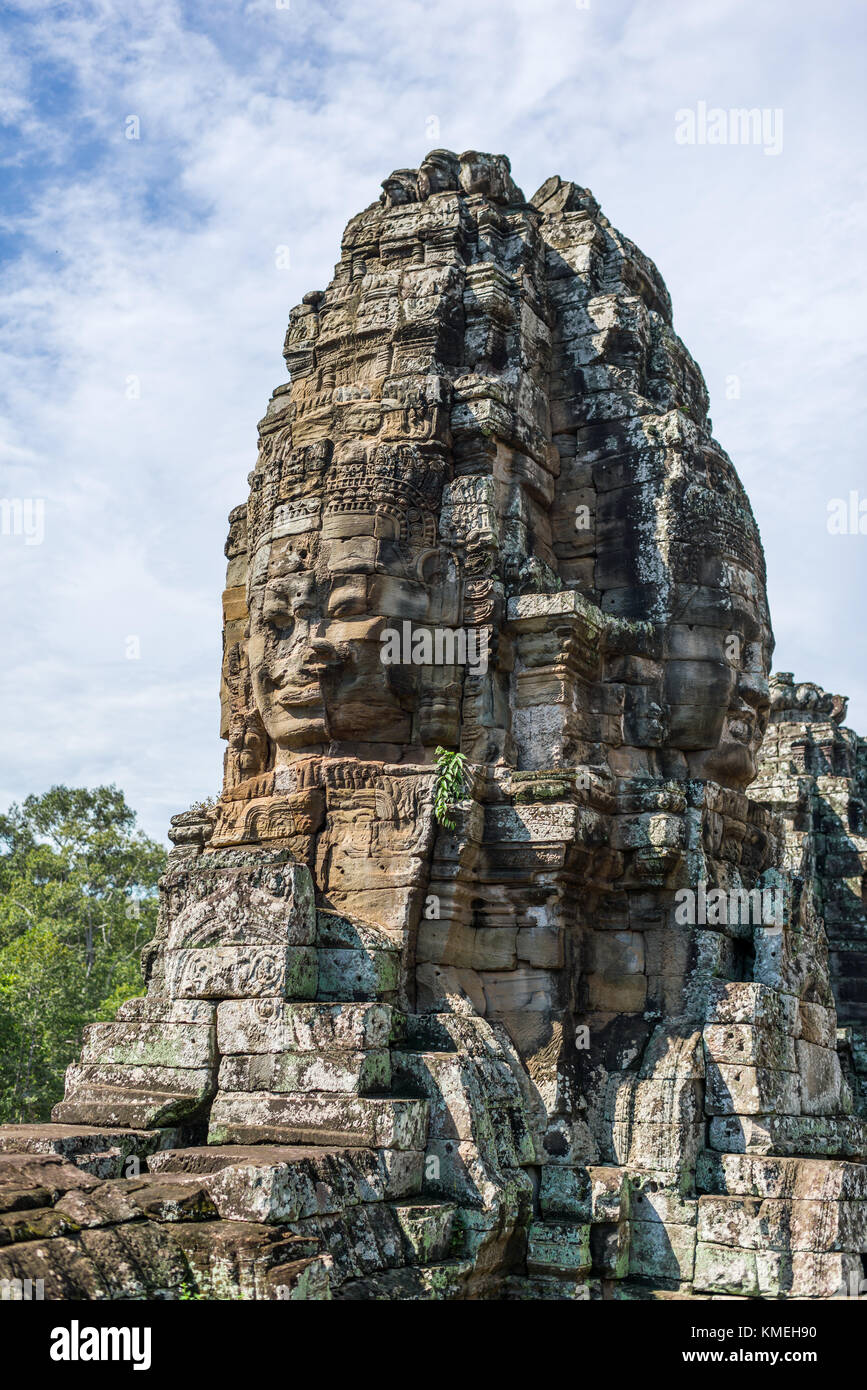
153 1066
311 1182
312 1083
310 1144
319 1072
271 1066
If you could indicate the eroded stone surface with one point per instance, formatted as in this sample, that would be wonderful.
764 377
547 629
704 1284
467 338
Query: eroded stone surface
581 1041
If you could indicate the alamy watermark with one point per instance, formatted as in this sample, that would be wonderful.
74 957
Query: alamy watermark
23 516
439 646
77 1343
715 907
22 1290
847 516
856 1287
714 125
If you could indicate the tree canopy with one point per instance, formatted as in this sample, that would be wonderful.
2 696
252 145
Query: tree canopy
78 901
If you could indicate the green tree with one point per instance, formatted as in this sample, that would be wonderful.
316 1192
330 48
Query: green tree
77 903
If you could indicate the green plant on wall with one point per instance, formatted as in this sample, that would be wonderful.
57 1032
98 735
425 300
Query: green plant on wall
451 782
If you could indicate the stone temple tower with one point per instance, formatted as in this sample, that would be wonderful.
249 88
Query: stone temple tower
576 1038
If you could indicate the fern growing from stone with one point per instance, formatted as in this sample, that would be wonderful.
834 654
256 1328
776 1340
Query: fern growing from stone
451 781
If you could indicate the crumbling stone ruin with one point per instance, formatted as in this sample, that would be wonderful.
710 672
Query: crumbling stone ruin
813 773
579 1038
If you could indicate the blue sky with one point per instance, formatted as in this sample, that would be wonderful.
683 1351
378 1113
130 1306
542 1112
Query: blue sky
150 265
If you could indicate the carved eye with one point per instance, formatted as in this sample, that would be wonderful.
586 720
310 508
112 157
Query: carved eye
277 609
348 597
287 601
350 607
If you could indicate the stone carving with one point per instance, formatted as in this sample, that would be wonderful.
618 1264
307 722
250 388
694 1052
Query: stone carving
582 1043
813 773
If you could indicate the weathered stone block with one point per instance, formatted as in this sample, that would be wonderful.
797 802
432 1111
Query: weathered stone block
351 974
744 1090
823 1090
427 1229
558 1248
753 1223
273 1025
661 1250
799 1135
237 972
723 1269
743 1044
816 1179
162 1044
340 1071
315 1118
99 1150
565 1192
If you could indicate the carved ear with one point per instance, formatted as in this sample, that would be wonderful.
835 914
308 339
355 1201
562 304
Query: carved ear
446 597
386 527
427 565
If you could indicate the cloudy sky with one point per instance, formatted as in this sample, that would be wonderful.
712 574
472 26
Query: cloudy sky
144 299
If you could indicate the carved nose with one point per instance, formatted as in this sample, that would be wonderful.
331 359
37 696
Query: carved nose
319 655
753 690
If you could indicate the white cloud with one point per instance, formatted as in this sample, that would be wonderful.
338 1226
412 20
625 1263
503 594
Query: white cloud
261 127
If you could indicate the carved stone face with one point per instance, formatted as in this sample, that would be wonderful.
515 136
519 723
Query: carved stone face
317 676
425 412
317 617
438 172
248 746
719 707
733 762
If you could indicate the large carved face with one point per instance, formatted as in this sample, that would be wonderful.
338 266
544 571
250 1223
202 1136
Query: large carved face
717 693
321 600
733 762
427 406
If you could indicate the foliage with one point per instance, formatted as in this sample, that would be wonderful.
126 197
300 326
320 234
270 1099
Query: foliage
77 903
451 783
